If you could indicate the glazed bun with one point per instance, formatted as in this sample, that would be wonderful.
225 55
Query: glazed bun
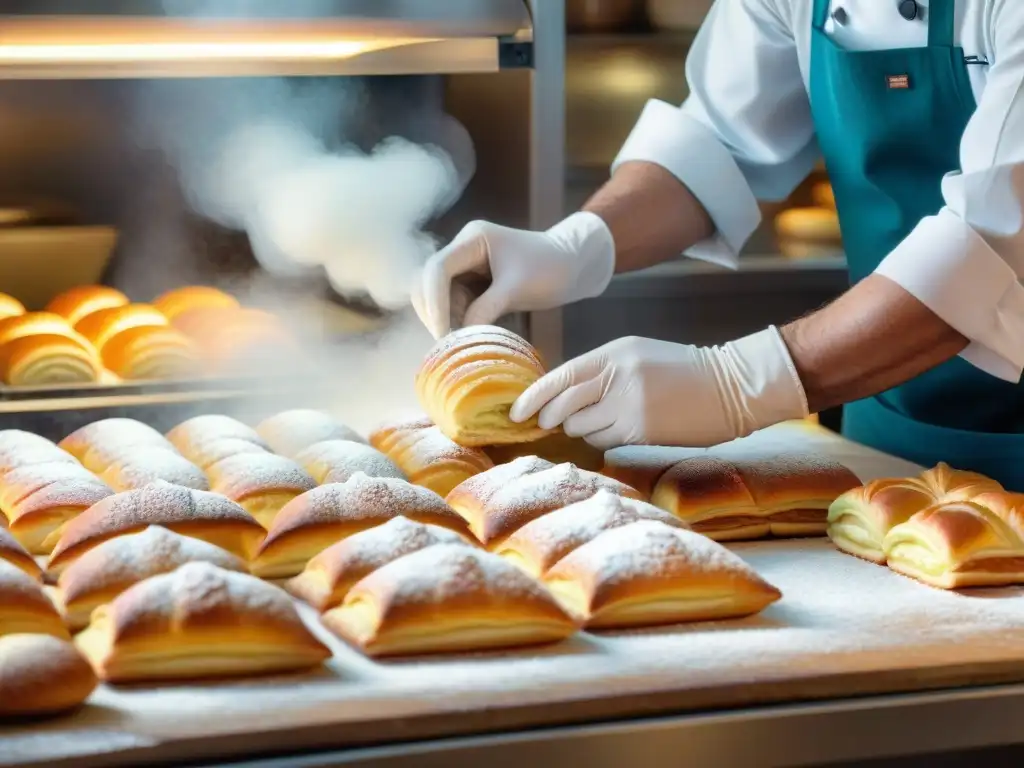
48 360
151 352
103 325
39 323
75 304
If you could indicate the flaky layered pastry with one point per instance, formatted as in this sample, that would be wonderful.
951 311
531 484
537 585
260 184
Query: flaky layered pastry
98 444
40 323
860 519
469 381
500 501
199 514
335 461
193 436
199 621
539 544
290 432
12 552
448 598
732 499
427 457
48 360
330 575
24 607
177 301
330 513
75 304
557 447
141 466
261 483
36 519
103 325
207 454
42 675
101 574
151 352
648 573
641 466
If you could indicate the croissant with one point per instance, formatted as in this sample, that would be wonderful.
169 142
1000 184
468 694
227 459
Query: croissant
290 432
261 483
335 461
448 598
99 444
24 607
75 304
175 302
198 621
103 325
469 381
41 675
12 552
151 352
40 323
46 360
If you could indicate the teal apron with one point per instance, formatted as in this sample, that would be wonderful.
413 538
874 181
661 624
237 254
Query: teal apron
889 124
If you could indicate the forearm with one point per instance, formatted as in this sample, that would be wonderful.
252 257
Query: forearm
651 215
874 337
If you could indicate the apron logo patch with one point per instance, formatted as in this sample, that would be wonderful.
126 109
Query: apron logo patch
898 82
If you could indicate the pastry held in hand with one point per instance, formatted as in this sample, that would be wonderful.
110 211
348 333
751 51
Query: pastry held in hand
261 483
500 501
42 675
101 574
290 432
647 573
99 444
860 519
469 381
538 545
330 513
13 553
448 598
331 574
199 514
24 607
199 621
732 499
335 461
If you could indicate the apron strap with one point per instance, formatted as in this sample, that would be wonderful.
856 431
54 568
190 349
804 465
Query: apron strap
941 21
821 9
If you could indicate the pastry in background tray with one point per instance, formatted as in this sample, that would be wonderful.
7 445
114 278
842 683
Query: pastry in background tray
12 552
41 675
647 573
290 432
199 514
10 306
330 575
24 607
469 381
40 324
860 519
330 513
177 301
138 467
335 461
427 456
741 498
75 304
261 483
448 598
500 501
539 544
152 352
238 341
102 326
98 444
193 437
199 621
48 360
641 466
101 574
558 448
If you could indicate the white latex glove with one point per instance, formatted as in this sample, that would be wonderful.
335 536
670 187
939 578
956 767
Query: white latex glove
529 271
643 391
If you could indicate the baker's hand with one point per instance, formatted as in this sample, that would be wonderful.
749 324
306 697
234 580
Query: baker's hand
643 391
528 271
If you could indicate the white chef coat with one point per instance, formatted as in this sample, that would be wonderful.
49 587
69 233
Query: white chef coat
746 133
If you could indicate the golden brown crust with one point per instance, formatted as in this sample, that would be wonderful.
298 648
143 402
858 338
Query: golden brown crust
558 448
151 352
37 519
448 598
35 323
102 326
10 306
641 466
24 607
290 432
177 301
15 554
47 360
42 675
335 461
261 482
75 304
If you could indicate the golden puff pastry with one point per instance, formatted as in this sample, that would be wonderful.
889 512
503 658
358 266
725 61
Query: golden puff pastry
10 306
140 467
151 352
427 457
12 552
36 518
177 301
448 598
193 436
198 621
335 461
331 574
732 499
101 574
290 432
539 544
261 483
200 514
557 447
647 573
40 323
500 501
641 466
330 513
860 519
24 607
469 381
103 325
98 444
23 449
42 360
75 304
42 675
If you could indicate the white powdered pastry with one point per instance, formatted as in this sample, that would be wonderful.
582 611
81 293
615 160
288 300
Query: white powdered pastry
14 440
221 448
116 431
425 446
486 484
148 465
198 430
370 549
245 474
336 461
24 481
290 432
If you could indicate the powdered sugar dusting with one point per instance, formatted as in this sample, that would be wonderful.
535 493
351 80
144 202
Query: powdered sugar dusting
192 433
222 448
481 487
147 465
18 588
335 461
63 493
14 440
430 445
30 661
291 431
19 483
239 476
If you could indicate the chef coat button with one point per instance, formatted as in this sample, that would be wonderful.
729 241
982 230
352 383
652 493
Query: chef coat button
840 16
908 9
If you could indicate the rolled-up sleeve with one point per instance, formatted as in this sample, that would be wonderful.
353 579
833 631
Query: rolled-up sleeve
965 263
744 133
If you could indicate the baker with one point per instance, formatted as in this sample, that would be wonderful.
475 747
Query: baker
918 109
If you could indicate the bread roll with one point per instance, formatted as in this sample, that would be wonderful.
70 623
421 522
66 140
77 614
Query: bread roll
40 323
17 484
749 498
641 466
207 454
261 483
427 457
75 304
36 518
10 306
12 552
48 360
448 598
192 436
179 300
103 325
199 621
143 466
101 574
330 513
42 675
290 432
860 519
99 444
538 545
648 573
335 461
558 448
500 501
24 607
199 514
151 352
330 575
469 381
